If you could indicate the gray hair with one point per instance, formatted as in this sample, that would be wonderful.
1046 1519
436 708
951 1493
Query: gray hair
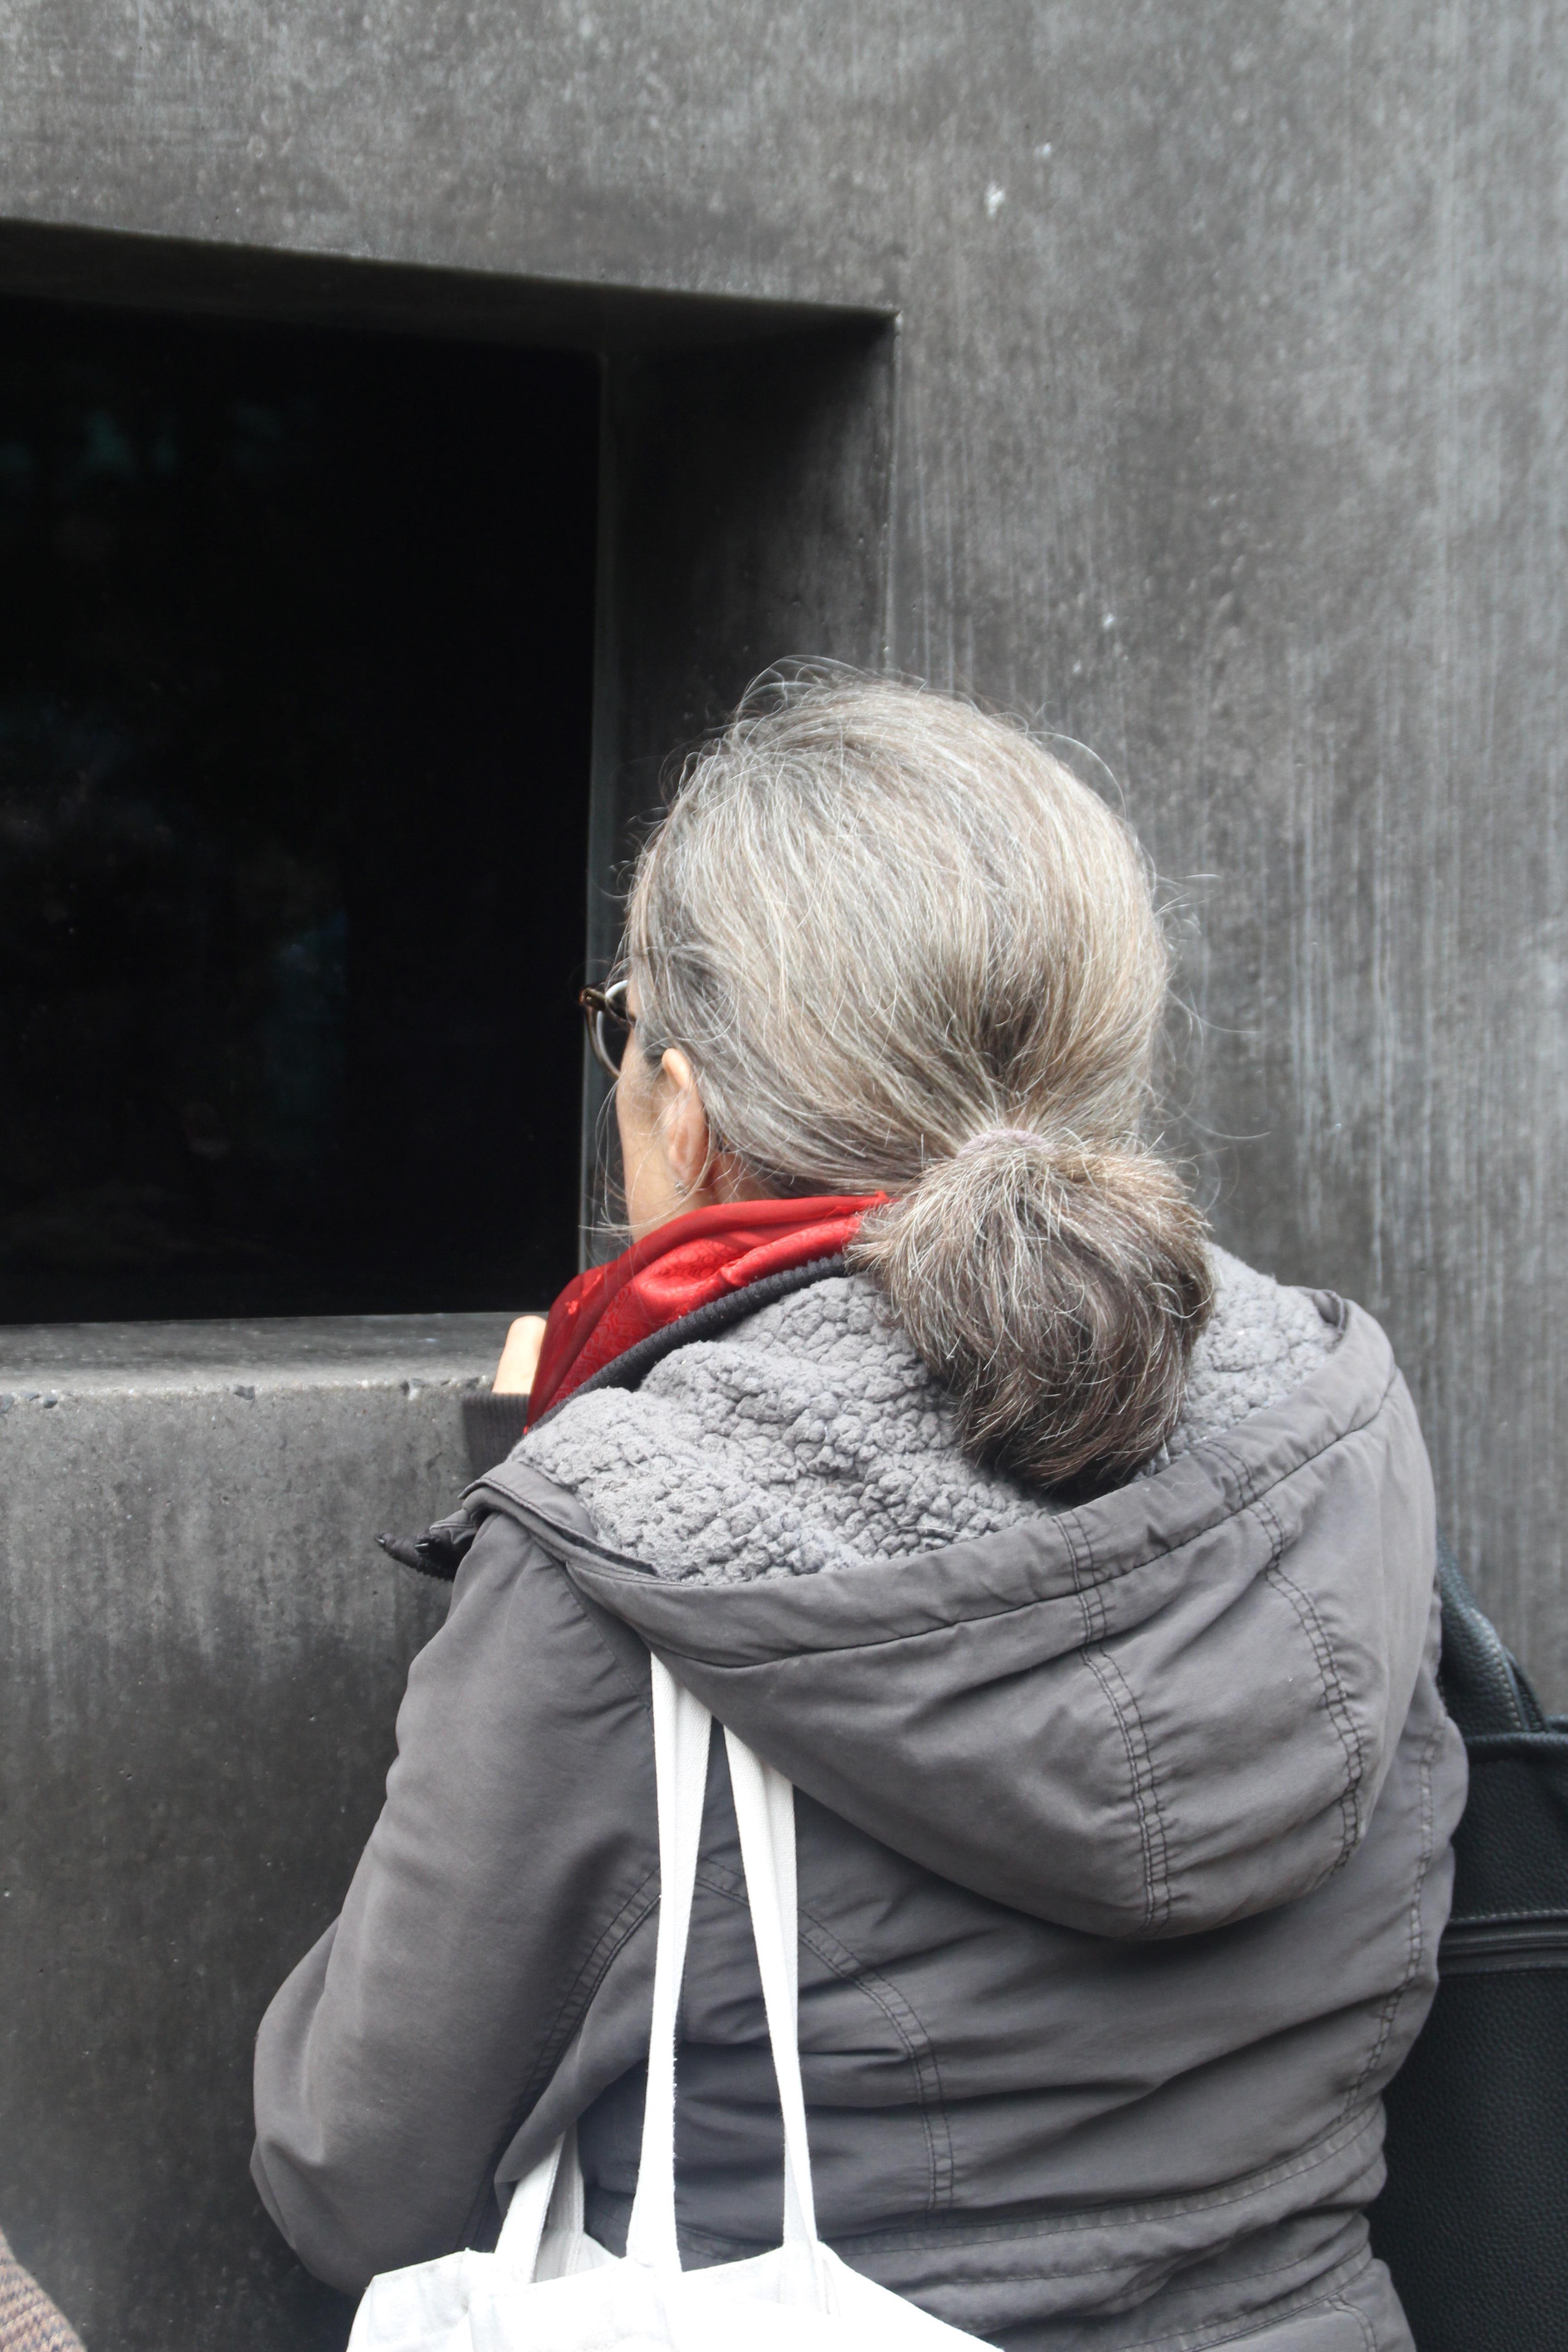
906 951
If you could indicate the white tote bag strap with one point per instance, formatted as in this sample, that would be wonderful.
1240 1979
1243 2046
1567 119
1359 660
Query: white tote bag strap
764 1814
548 2198
523 2225
681 1730
764 1810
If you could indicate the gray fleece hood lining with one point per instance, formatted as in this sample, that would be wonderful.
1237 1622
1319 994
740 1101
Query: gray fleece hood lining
810 1437
1185 1499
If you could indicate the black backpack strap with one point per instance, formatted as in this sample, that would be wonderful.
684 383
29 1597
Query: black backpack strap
1484 1687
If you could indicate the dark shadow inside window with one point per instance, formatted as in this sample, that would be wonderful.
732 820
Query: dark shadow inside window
296 645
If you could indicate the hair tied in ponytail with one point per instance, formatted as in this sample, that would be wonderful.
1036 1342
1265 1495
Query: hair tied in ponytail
1058 1297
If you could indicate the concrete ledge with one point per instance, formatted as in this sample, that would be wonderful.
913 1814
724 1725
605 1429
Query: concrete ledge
201 1655
364 1350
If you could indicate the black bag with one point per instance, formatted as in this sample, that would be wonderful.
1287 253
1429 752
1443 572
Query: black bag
1474 2221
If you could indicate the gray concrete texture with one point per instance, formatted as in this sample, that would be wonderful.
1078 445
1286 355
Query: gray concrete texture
1228 438
214 1651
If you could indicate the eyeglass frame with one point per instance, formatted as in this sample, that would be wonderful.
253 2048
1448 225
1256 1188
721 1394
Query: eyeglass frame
607 1004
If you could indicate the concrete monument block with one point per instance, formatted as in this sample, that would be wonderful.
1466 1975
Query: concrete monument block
202 1652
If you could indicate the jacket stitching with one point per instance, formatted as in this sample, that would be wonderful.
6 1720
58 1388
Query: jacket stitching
1091 1598
846 1966
572 2007
644 1697
1307 2299
1336 1704
1367 2338
1151 1838
1341 2135
885 1996
1313 2297
612 1940
1121 2262
1415 1940
921 2048
1246 1478
1089 1585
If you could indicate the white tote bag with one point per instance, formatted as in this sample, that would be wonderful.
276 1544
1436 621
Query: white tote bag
549 2287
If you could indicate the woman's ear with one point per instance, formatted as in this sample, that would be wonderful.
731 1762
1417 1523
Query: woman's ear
683 1122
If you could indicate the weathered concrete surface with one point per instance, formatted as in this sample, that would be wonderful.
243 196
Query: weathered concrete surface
1230 438
201 1657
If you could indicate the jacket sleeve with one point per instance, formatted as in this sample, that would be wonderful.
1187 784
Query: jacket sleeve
517 1847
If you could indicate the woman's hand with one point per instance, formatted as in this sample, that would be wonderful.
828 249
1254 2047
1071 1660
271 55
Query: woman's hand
514 1374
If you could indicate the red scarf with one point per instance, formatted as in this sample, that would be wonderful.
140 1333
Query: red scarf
679 1266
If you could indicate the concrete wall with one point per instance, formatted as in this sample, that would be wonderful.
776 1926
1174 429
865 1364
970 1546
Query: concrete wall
1230 426
1229 438
201 1655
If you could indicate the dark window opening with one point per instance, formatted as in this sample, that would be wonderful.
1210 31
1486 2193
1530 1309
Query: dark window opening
296 647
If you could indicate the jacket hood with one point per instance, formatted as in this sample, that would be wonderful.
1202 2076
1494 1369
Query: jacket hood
1150 1715
800 1433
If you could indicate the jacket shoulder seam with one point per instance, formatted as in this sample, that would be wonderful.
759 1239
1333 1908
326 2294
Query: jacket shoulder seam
584 1606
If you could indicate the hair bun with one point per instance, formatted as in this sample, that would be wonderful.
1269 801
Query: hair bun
1057 1292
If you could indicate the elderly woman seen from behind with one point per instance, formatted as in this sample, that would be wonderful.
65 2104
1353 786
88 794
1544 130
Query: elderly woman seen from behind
1079 1578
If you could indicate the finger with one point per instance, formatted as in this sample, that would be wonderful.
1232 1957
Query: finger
519 1356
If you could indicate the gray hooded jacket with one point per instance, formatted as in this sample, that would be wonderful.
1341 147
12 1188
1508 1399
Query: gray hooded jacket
1123 1838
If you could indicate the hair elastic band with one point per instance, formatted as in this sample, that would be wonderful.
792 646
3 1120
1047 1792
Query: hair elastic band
988 1135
